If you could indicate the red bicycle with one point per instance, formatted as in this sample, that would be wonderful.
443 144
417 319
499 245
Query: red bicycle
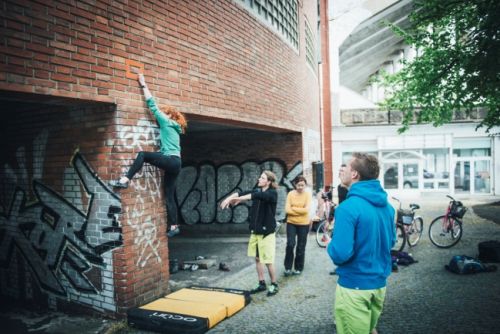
446 231
325 225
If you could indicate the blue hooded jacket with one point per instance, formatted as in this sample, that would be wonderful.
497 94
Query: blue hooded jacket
363 236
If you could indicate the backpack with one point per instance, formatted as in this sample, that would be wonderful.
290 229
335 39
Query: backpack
402 258
489 251
464 265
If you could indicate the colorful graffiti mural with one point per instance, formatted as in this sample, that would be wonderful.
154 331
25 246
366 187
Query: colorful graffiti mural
201 188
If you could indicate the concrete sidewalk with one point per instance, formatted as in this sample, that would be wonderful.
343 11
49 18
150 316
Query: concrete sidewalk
420 297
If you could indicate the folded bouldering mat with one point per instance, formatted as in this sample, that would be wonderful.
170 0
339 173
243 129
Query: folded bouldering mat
190 310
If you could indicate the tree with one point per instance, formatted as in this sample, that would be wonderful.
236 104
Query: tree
457 67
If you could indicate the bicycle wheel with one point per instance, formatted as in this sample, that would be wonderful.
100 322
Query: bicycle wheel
443 234
400 239
414 231
323 234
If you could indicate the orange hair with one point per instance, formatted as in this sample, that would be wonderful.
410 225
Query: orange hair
176 116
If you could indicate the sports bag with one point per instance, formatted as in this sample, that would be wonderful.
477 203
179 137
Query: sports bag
489 251
464 265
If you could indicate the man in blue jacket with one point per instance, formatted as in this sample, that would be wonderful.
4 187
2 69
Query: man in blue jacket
363 236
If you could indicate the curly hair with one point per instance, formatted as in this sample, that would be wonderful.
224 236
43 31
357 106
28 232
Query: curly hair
176 116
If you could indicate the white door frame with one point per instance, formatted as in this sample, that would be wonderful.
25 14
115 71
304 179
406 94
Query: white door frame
472 171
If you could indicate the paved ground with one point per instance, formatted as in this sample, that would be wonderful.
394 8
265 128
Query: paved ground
421 298
489 211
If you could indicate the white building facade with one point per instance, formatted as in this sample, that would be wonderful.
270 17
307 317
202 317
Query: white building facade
453 158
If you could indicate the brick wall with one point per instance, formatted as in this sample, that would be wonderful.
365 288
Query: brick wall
208 58
58 219
242 145
232 68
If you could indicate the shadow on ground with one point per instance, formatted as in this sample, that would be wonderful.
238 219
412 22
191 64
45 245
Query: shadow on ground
489 211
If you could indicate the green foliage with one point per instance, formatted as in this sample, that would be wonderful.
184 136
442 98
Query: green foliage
457 67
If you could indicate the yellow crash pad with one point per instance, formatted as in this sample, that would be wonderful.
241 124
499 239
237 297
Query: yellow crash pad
232 302
214 312
189 311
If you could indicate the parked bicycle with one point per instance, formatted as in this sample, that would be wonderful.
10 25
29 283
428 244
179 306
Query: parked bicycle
446 231
326 222
409 227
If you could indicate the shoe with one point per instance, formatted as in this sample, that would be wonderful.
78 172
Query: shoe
333 272
259 288
118 184
174 232
273 289
296 272
288 272
223 266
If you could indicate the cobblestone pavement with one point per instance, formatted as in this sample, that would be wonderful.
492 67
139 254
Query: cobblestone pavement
421 298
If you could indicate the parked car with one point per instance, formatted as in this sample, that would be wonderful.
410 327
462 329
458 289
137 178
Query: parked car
411 181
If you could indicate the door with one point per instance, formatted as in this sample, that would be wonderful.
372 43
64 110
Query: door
410 175
472 176
462 176
401 175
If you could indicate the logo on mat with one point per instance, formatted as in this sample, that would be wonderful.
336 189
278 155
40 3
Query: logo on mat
169 316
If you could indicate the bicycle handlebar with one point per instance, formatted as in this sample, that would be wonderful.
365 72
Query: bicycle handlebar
451 198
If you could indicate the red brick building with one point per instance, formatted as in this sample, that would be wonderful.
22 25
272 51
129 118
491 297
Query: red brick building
244 72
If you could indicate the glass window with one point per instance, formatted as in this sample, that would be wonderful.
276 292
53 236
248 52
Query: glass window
280 15
390 175
472 152
436 164
310 48
482 178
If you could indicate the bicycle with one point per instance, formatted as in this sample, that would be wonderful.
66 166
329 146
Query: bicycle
325 226
409 227
446 231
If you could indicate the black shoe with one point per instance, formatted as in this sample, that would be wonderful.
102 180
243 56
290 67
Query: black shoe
259 288
273 289
118 184
333 272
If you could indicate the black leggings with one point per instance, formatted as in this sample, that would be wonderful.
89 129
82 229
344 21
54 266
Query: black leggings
171 165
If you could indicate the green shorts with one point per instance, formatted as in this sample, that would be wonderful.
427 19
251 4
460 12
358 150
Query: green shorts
357 311
262 247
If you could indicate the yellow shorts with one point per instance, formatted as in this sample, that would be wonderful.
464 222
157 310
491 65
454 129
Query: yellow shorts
357 311
262 247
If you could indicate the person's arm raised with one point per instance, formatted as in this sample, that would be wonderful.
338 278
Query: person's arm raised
144 86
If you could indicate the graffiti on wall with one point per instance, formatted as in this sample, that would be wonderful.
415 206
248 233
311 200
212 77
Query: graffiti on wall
200 189
147 181
61 240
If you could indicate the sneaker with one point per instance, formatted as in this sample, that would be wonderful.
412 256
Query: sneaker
273 289
118 184
174 232
259 288
296 272
223 266
288 272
